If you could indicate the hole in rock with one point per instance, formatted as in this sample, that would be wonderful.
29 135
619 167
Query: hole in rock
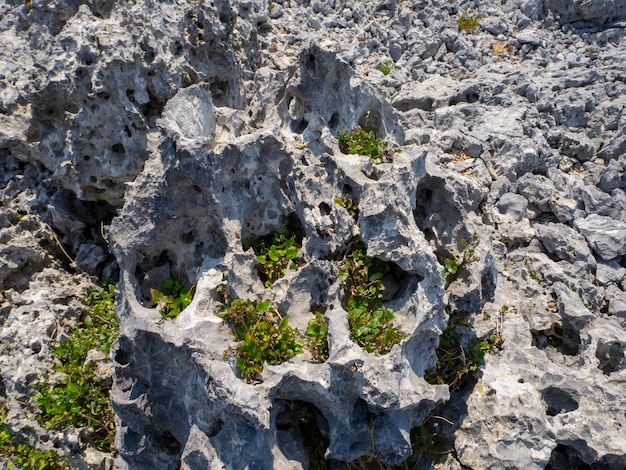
279 249
34 132
373 290
563 338
140 387
177 48
168 443
299 126
558 401
565 457
373 175
154 106
459 355
215 428
371 121
118 148
470 95
426 104
152 271
309 63
333 122
610 355
165 258
324 208
219 93
122 357
438 217
300 422
92 214
108 183
122 354
187 238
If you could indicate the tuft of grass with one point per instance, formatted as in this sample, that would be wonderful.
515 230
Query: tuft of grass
370 323
275 253
360 142
386 67
173 299
264 335
468 22
81 398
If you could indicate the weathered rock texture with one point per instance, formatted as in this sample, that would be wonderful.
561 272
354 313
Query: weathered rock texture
202 124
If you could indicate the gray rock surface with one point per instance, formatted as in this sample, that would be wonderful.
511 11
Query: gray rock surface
146 140
606 236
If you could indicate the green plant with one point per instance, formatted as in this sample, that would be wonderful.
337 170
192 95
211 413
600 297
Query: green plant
386 67
25 456
468 22
81 398
494 340
173 299
370 323
275 254
348 204
425 441
454 361
360 142
451 266
317 337
264 336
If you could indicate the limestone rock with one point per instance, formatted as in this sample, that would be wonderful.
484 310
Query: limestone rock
564 242
606 236
196 126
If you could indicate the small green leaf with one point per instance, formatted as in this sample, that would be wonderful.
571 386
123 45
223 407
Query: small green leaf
262 306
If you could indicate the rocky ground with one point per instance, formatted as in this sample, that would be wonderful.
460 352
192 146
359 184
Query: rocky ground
143 140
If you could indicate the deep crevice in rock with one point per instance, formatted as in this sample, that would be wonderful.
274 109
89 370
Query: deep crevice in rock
561 336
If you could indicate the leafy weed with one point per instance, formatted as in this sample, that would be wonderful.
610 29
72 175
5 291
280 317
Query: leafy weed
370 323
348 204
317 337
275 253
451 266
264 335
360 142
173 299
81 398
25 456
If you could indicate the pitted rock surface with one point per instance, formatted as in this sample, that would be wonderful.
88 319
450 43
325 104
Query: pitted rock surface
141 141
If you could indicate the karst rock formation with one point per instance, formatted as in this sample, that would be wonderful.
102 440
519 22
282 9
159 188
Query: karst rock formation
147 140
